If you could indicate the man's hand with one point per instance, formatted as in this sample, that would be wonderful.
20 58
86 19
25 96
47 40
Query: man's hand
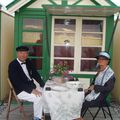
85 90
91 88
36 92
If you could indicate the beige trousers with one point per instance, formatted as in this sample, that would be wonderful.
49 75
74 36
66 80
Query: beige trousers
36 100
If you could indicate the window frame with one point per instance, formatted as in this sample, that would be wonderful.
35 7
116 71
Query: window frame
77 46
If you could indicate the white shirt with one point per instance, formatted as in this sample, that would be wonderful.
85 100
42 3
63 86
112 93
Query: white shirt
24 69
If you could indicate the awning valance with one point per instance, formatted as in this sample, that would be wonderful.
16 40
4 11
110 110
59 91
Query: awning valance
82 10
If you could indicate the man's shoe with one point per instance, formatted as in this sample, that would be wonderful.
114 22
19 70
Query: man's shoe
36 118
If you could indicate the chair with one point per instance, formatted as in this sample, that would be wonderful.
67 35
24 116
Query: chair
101 106
19 102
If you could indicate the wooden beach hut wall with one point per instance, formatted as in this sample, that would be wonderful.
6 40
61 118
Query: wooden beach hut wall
116 62
6 50
73 31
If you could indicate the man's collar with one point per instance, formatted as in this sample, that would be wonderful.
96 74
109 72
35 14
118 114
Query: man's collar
21 62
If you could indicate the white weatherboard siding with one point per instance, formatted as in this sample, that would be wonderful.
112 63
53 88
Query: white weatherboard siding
103 2
86 2
39 3
17 6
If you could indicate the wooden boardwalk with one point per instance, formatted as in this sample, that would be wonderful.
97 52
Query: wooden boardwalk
16 115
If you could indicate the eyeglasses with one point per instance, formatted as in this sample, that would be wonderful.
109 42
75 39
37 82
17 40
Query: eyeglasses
102 59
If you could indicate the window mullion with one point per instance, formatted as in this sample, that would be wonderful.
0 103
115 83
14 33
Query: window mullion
104 30
52 43
77 45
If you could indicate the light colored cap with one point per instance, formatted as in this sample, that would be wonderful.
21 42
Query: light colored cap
104 54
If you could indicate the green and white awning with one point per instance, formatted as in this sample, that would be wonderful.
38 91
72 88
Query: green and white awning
82 10
69 7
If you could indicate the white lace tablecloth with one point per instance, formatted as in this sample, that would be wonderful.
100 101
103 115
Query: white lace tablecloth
63 102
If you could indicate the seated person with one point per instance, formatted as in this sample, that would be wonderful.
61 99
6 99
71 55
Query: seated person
102 84
26 80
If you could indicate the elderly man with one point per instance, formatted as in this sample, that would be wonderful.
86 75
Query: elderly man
26 80
102 84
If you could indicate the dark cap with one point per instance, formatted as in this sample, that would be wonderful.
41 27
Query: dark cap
22 48
103 54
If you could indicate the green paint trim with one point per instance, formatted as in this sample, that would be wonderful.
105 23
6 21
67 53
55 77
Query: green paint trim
0 50
32 30
80 6
111 3
48 37
95 2
44 62
12 4
77 2
52 2
109 29
31 11
64 2
17 32
36 14
36 44
82 76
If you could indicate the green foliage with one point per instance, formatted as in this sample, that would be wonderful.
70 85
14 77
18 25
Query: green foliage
61 69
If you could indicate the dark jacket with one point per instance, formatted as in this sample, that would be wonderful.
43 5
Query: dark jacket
18 78
104 91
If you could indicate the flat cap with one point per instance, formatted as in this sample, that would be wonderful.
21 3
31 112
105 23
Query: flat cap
22 48
103 54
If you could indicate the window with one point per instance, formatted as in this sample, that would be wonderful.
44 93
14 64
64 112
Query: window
77 41
32 36
64 33
92 42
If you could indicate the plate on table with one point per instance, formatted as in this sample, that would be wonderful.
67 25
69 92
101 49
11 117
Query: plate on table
59 88
73 84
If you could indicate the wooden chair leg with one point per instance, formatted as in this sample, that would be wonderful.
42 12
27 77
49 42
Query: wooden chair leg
21 109
9 104
19 102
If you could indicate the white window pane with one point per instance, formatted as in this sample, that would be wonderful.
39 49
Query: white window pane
92 39
32 37
63 51
90 52
92 25
30 23
59 38
88 65
66 25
